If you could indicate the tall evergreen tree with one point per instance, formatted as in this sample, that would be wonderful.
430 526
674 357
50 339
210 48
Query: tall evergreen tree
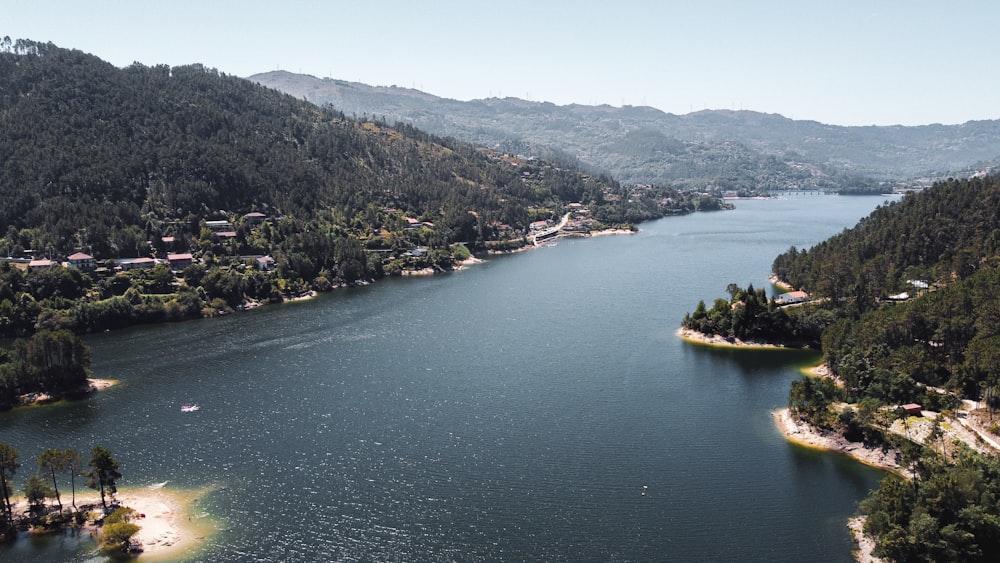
53 462
103 473
8 466
74 464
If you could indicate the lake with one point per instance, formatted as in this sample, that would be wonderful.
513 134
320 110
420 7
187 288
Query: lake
512 411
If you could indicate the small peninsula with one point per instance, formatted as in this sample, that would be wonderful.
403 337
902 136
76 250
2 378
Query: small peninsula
719 341
154 520
750 319
167 524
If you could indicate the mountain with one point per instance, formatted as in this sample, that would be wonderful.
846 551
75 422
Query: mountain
103 159
731 149
249 194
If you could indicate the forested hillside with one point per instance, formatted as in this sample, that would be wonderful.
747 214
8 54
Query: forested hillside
98 157
916 284
906 299
912 317
940 236
238 194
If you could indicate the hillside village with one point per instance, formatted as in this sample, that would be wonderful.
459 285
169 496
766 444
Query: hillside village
163 252
225 235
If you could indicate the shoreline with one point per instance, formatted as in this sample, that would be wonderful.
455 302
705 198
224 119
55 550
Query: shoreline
606 232
864 546
716 341
430 271
94 385
168 527
803 434
97 384
167 524
780 283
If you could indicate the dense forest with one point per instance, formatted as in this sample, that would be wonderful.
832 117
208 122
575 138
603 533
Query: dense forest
940 236
912 316
264 196
50 363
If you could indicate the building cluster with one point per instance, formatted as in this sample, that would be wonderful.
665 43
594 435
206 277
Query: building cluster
177 261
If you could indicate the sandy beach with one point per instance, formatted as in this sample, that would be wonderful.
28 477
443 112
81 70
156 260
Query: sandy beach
695 337
93 385
101 384
168 526
165 528
607 232
459 266
779 283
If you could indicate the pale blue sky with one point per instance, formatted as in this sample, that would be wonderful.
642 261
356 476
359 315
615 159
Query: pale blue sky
842 62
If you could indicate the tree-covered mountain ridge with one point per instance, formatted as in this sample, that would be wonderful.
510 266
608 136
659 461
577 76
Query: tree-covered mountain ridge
907 308
211 192
91 149
731 149
916 288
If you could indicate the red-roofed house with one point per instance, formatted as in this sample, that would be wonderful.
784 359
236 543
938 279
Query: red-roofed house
42 264
179 261
265 263
254 218
81 261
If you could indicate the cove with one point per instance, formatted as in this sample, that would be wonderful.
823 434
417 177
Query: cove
511 411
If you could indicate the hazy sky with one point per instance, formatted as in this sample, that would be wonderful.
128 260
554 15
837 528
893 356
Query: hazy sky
843 62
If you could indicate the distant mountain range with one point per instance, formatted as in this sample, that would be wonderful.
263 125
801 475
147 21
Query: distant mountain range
725 149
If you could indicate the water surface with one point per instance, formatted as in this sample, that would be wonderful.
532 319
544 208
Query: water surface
512 411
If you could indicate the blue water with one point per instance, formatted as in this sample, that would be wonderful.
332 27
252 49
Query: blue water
512 411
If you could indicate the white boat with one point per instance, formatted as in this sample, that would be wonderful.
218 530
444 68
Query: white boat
190 408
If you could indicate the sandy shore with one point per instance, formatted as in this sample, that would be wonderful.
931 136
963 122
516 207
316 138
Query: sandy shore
421 272
779 283
696 337
163 525
93 385
607 232
459 266
168 526
101 384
